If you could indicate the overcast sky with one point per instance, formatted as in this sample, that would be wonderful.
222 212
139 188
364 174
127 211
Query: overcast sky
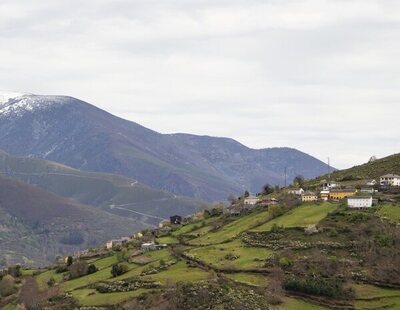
320 76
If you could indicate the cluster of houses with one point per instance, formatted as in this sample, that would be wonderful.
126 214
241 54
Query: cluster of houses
249 203
145 246
356 199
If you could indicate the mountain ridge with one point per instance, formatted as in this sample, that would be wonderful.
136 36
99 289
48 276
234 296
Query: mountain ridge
83 136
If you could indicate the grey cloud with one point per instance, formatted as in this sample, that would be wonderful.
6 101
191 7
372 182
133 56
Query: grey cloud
321 76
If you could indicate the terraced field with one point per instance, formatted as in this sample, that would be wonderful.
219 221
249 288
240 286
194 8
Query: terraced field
241 254
233 229
232 255
299 217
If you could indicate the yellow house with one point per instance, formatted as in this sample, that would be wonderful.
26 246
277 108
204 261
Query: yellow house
341 193
309 196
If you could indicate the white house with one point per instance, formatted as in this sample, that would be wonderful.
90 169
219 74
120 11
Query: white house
297 192
329 185
359 202
390 179
251 200
371 183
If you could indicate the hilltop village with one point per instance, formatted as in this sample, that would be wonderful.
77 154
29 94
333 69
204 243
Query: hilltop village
317 244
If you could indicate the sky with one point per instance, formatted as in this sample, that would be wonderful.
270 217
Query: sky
317 75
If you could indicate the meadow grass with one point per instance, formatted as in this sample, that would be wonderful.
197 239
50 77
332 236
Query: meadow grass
179 272
373 297
90 297
104 262
167 240
193 226
391 212
248 257
100 275
233 229
299 217
44 277
248 278
296 304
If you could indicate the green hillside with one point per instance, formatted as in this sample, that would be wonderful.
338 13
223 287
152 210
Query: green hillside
36 226
112 193
365 172
312 256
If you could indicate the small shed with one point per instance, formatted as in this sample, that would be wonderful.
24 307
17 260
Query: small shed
175 219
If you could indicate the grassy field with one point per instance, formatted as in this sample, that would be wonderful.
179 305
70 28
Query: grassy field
193 226
100 275
179 272
248 278
248 257
156 256
105 262
296 304
90 297
391 212
42 278
232 229
372 297
299 217
167 240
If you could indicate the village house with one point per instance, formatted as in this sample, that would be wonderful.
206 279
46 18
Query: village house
309 196
270 201
118 242
251 200
324 195
390 180
175 219
371 183
297 192
330 185
359 202
339 194
367 190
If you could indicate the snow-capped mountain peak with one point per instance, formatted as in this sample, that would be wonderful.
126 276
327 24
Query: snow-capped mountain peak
16 104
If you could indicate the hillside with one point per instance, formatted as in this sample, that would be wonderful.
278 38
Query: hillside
75 133
36 226
287 256
362 173
112 193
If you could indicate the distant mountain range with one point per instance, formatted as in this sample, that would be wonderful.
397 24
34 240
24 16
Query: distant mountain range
75 133
36 225
115 194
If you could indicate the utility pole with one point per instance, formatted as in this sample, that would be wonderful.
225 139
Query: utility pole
285 176
329 169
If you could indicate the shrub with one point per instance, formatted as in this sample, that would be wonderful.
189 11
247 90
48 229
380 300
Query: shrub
7 286
78 269
51 282
118 269
231 256
14 271
330 287
61 268
285 262
70 260
92 269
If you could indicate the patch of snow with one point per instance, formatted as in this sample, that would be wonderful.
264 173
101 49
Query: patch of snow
16 104
5 96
